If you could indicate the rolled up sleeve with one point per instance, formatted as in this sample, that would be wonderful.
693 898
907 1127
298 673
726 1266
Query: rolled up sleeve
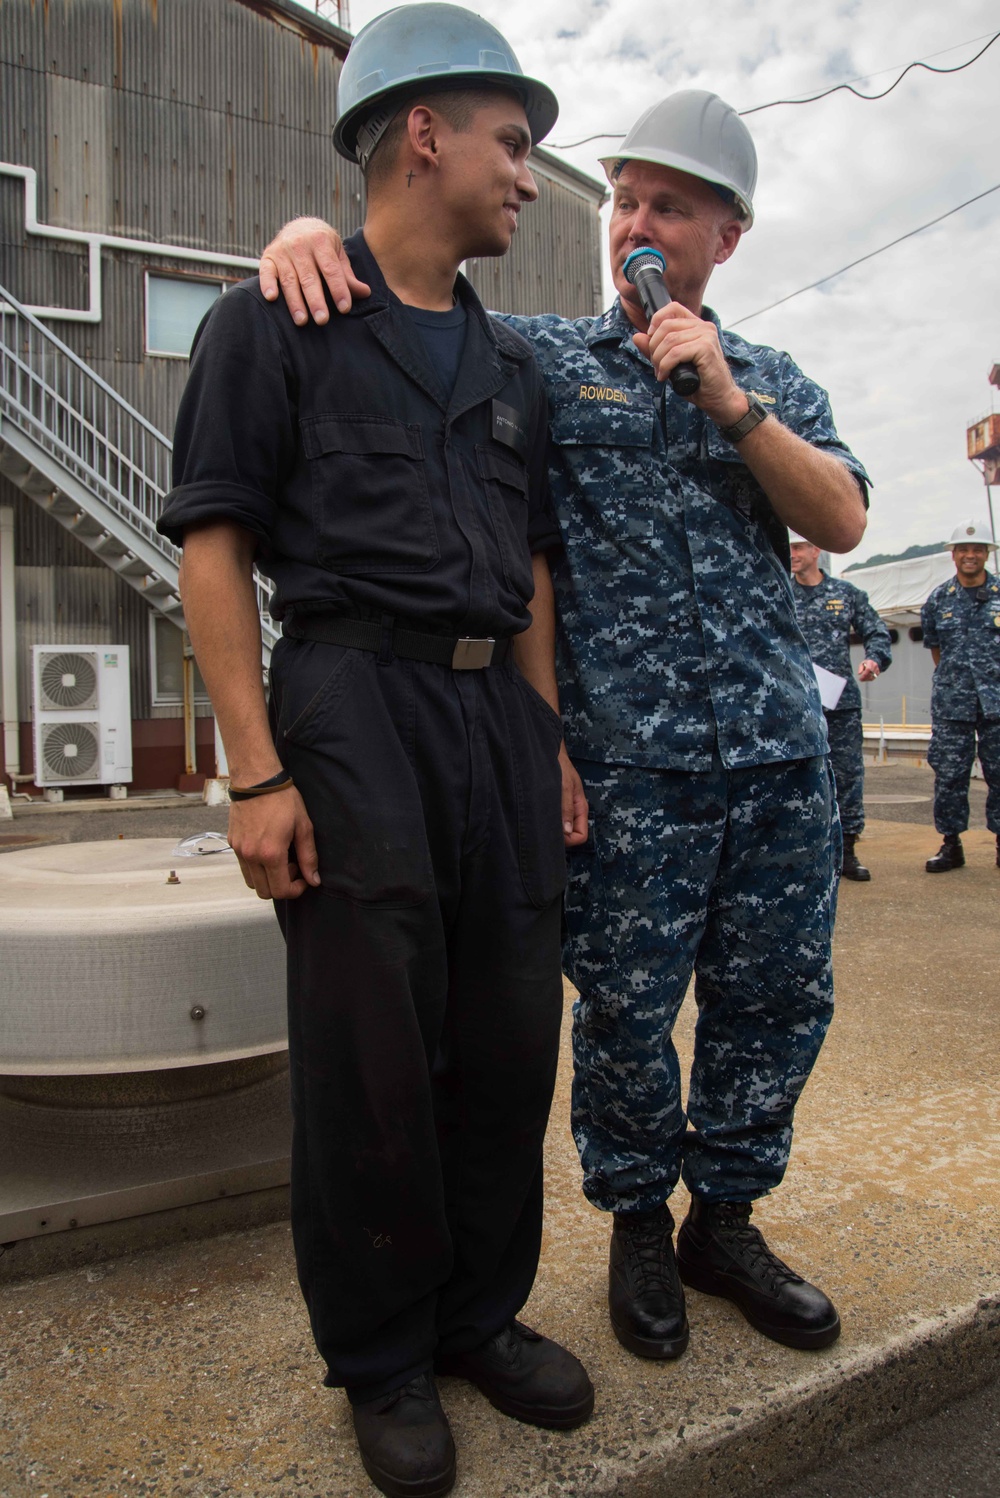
234 441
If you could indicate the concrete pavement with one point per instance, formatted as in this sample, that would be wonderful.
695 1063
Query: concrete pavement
189 1370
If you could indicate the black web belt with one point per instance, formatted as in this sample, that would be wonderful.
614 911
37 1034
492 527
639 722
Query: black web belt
461 653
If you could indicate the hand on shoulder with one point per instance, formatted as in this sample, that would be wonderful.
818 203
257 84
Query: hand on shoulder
303 258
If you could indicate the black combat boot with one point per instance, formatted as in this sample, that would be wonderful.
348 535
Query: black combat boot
851 868
405 1443
948 856
645 1295
527 1376
719 1253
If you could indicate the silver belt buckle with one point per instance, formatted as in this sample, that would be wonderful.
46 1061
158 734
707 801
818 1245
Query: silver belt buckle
472 655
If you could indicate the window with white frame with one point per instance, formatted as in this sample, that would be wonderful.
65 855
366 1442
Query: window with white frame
166 643
175 305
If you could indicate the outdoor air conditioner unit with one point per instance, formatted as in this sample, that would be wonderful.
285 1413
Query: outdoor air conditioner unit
83 714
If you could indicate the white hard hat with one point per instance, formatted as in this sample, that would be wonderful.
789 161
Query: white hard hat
794 539
971 533
696 132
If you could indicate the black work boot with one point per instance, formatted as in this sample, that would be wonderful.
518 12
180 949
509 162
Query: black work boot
405 1442
526 1375
851 868
645 1295
948 856
719 1253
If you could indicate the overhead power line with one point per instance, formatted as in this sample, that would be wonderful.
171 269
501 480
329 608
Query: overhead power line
812 98
870 98
862 258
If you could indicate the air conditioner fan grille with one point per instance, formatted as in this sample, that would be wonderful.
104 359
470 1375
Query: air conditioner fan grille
68 680
70 750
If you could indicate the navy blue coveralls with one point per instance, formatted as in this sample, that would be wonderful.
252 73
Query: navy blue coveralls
424 983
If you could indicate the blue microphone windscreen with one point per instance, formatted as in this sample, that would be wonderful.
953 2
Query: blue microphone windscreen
639 259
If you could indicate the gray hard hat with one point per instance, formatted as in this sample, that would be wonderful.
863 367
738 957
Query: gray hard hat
432 46
971 533
699 133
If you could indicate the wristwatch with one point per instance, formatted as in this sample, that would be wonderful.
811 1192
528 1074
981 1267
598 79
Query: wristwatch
755 415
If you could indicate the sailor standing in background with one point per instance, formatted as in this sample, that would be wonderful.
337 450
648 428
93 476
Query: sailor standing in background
961 623
829 610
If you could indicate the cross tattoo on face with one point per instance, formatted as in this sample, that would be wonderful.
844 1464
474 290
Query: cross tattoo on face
409 179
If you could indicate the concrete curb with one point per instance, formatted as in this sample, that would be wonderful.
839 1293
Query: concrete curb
161 801
776 1439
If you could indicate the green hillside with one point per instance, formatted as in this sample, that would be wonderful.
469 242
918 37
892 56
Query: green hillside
898 556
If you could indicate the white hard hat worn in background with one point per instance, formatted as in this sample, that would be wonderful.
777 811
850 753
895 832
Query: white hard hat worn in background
971 533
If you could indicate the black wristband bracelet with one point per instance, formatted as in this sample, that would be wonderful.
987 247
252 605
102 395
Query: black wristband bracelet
279 782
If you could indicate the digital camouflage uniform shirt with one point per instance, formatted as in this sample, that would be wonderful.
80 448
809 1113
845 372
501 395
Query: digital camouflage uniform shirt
676 626
964 624
966 629
828 614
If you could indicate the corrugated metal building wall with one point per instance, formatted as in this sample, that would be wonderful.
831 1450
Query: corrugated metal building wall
200 122
204 123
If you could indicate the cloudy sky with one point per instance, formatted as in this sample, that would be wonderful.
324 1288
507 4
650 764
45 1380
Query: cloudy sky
903 343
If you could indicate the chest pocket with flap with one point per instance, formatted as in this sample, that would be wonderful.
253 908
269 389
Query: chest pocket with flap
585 424
506 482
607 450
370 498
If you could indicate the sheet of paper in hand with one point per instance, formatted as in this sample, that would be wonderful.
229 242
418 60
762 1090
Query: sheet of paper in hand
830 687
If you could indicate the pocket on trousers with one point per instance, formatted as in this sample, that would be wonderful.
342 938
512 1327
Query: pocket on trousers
535 734
309 683
589 949
351 766
371 503
538 704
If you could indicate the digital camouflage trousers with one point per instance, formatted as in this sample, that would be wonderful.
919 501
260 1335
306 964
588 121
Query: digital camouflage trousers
951 756
846 756
731 875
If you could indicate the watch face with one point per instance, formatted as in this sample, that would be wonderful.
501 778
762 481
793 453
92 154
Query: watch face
755 415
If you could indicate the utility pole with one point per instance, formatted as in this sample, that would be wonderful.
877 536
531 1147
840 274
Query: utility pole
982 445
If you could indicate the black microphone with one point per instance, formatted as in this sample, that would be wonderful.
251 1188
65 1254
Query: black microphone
644 269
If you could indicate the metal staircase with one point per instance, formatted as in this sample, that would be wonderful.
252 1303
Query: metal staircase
91 461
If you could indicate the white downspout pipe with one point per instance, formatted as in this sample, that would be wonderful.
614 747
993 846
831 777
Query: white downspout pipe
8 648
190 727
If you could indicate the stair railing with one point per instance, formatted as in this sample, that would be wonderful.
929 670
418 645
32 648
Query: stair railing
54 397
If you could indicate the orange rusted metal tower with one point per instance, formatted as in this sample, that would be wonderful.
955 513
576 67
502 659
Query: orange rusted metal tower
337 11
982 445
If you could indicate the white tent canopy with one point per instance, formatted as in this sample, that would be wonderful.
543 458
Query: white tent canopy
898 590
